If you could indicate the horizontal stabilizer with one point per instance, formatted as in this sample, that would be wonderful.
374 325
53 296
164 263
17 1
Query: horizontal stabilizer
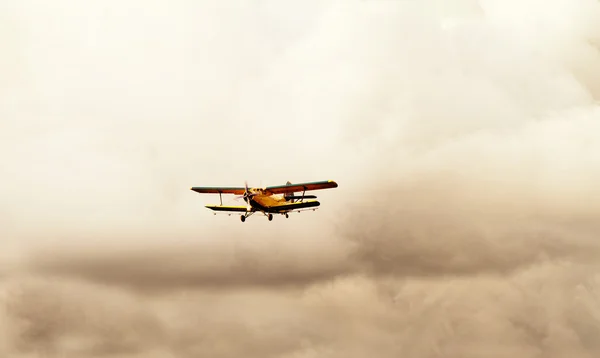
298 197
293 206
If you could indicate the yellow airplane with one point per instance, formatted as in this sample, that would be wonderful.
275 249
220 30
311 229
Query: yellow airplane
280 199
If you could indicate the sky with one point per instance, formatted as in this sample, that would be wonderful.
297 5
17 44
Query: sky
462 134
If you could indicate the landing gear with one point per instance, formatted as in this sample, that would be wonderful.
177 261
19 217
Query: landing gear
286 215
243 217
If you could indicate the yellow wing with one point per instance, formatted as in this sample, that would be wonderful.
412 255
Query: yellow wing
280 208
228 208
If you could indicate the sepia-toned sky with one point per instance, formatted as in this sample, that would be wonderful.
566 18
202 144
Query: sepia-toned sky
463 135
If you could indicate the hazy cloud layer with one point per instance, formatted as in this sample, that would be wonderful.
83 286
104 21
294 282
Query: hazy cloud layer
463 135
527 315
226 264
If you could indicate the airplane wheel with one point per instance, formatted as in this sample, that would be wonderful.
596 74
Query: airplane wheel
243 218
270 217
286 216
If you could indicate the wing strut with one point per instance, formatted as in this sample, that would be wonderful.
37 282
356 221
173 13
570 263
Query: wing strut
221 198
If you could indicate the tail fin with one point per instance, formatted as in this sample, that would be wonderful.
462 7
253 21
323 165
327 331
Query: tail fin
288 196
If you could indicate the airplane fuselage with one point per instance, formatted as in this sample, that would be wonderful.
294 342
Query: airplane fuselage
267 200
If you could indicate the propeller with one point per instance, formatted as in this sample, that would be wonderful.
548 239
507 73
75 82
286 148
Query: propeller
247 195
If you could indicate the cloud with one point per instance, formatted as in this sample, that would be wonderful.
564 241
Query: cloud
180 265
463 136
485 203
413 317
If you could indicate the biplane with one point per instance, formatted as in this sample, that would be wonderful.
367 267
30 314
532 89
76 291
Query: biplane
280 199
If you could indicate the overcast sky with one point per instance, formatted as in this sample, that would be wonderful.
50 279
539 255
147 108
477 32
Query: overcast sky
463 135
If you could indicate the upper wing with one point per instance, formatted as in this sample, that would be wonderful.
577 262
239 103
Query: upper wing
218 190
290 188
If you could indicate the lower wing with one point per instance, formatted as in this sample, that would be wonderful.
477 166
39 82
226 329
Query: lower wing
228 208
293 206
271 209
